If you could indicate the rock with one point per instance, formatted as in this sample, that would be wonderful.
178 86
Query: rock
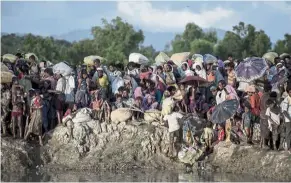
251 160
101 146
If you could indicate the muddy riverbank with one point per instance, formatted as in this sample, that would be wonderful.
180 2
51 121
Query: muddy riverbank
121 147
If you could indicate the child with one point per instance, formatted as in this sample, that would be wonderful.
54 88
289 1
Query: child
35 125
247 123
118 103
273 114
174 129
208 135
18 110
137 104
221 133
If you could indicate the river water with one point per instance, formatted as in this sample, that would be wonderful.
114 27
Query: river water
128 176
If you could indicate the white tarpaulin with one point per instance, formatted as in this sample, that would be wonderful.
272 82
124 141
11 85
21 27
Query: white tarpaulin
161 58
138 58
62 68
179 58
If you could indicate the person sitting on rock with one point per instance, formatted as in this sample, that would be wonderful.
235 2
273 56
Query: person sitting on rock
137 104
118 103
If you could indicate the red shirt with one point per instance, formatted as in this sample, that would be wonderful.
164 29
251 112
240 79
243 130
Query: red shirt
221 135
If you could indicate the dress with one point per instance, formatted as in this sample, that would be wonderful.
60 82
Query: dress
82 96
35 125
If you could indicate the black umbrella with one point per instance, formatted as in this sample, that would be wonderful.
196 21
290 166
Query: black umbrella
224 111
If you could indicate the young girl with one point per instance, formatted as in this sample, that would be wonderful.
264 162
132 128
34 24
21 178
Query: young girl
18 109
35 125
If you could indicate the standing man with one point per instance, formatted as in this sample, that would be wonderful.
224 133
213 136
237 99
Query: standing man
286 109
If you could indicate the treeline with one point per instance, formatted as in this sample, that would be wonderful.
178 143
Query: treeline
116 39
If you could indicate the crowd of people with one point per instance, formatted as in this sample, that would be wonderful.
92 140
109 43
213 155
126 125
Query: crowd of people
39 97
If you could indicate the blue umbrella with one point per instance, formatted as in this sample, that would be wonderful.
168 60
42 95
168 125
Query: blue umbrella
251 69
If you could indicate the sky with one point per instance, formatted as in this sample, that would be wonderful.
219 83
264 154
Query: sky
59 17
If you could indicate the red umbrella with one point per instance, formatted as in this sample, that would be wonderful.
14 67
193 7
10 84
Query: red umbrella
190 80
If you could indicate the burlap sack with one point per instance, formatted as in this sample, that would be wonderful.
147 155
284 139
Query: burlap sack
6 77
152 115
121 115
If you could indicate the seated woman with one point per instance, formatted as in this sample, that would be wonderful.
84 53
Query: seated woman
149 102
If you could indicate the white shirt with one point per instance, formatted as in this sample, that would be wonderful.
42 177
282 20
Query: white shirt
220 97
61 85
286 106
273 116
173 121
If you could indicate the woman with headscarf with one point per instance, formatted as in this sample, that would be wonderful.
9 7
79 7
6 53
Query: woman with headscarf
169 76
185 70
149 102
199 69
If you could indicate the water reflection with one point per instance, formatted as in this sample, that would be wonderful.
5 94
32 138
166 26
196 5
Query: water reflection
129 176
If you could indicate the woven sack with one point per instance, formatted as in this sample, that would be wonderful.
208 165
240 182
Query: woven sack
6 77
89 60
152 115
4 68
120 115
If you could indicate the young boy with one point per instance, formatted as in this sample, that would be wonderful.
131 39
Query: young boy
273 113
247 123
174 128
208 135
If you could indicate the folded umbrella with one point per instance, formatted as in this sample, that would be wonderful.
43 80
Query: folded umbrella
251 69
224 111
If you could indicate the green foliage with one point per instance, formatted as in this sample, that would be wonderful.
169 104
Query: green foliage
283 46
114 41
202 46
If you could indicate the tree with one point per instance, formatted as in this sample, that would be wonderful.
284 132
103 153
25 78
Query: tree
210 36
149 52
179 44
117 39
283 46
202 46
192 32
231 43
261 44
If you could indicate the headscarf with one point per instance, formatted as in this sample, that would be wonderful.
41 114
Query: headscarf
201 73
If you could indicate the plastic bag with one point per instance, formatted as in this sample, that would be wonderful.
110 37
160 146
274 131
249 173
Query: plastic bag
138 58
63 69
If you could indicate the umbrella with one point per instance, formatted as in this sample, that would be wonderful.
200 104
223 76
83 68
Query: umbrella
280 77
251 69
209 59
224 111
190 80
